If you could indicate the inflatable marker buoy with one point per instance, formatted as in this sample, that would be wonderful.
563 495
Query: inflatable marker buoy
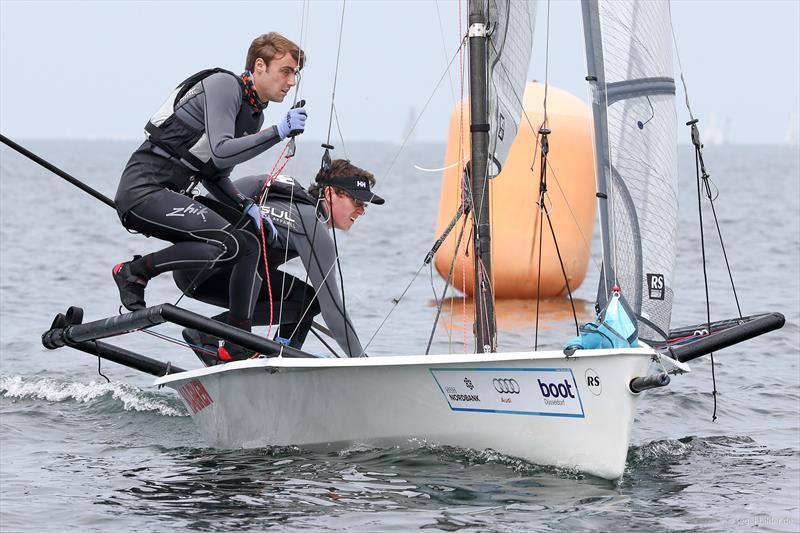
514 206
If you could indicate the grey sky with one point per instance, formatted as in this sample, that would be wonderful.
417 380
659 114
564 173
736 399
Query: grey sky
98 70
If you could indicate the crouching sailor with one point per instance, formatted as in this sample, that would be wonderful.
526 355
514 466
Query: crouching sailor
209 124
335 201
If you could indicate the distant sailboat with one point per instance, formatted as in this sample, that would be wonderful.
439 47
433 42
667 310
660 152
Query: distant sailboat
715 134
792 135
407 135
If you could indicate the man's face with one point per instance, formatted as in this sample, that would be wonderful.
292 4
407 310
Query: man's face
272 83
345 209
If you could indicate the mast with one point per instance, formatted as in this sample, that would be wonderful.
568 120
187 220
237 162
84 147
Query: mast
596 77
485 331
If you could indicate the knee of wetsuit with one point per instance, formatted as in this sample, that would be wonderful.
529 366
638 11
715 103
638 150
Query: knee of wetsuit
236 245
183 279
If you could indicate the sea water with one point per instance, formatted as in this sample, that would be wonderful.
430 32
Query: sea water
82 453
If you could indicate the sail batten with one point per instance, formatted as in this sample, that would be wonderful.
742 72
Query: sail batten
629 56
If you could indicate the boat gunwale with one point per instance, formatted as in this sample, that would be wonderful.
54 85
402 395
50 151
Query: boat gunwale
291 363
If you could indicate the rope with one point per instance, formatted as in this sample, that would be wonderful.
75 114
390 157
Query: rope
463 197
262 198
705 283
336 73
396 302
440 303
421 113
341 280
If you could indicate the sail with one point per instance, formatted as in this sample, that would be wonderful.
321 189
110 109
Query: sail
629 58
511 25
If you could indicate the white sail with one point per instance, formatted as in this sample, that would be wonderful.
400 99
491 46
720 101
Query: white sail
629 56
511 26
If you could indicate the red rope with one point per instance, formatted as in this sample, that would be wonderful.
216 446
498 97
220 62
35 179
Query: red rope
267 183
462 188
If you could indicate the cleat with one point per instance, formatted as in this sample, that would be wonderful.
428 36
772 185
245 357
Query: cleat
212 350
131 287
233 352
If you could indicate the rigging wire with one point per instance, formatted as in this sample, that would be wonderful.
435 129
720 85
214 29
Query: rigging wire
422 112
336 73
463 197
444 49
543 134
695 136
341 284
705 282
338 128
446 286
703 177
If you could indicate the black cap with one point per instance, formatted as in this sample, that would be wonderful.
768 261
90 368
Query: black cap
355 186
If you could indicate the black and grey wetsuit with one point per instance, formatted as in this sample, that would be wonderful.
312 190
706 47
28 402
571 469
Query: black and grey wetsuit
302 232
210 117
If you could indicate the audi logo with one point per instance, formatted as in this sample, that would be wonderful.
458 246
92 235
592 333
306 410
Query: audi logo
506 386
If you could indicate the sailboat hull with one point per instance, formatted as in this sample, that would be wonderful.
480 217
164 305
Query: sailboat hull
574 412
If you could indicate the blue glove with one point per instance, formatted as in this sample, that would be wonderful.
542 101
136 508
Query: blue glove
294 123
254 211
272 234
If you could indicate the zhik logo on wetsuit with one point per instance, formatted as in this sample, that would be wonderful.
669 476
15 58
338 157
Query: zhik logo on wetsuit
191 209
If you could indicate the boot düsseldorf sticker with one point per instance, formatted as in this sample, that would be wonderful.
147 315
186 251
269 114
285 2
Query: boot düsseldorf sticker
521 391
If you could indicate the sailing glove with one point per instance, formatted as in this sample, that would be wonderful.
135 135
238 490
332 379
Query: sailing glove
293 123
272 233
252 210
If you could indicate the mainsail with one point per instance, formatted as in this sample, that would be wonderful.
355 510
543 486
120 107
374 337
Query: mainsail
629 58
511 26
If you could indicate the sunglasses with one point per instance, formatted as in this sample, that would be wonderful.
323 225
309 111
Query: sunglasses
356 202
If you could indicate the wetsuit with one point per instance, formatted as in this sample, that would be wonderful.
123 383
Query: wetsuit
208 125
301 232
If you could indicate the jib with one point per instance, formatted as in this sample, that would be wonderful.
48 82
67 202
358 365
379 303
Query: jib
560 390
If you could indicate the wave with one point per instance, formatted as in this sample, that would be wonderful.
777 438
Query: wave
126 396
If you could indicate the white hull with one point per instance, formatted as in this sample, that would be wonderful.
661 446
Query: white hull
574 412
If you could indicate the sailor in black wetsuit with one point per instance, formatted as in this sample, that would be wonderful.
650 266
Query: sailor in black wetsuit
302 220
210 123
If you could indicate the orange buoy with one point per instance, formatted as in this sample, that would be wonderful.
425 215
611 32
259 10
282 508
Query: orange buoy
514 209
